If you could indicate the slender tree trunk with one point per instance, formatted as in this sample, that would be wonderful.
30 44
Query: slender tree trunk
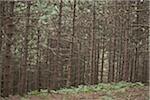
117 69
47 73
84 65
121 57
25 58
114 43
51 67
112 51
83 69
132 69
38 61
117 45
109 61
120 42
1 25
103 53
58 67
103 47
79 64
92 46
125 65
9 29
97 64
71 80
135 64
113 63
48 64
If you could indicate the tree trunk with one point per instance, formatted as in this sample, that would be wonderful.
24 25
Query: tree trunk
1 25
71 79
125 65
9 29
103 53
97 64
25 58
38 62
109 61
92 65
79 64
58 67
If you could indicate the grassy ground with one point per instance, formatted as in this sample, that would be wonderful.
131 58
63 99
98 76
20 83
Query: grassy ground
114 91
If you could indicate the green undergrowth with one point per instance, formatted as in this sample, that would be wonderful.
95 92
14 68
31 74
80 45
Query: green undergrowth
37 93
101 87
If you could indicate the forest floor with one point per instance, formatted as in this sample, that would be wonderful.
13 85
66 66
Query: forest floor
117 93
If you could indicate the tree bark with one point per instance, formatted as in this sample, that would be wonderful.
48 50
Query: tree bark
125 65
24 80
38 61
103 53
92 56
9 31
72 69
97 64
58 70
1 25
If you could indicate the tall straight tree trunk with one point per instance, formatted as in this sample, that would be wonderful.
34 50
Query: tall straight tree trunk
132 70
103 53
125 65
51 67
114 43
25 58
112 51
48 64
79 64
117 69
121 57
92 65
135 64
109 61
117 45
120 42
97 64
1 25
74 66
113 60
83 73
103 48
58 70
71 80
9 29
38 62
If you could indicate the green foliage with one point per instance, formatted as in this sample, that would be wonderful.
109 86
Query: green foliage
43 93
100 87
24 98
93 88
107 98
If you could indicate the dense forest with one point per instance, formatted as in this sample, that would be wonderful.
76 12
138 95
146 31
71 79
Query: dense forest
51 44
